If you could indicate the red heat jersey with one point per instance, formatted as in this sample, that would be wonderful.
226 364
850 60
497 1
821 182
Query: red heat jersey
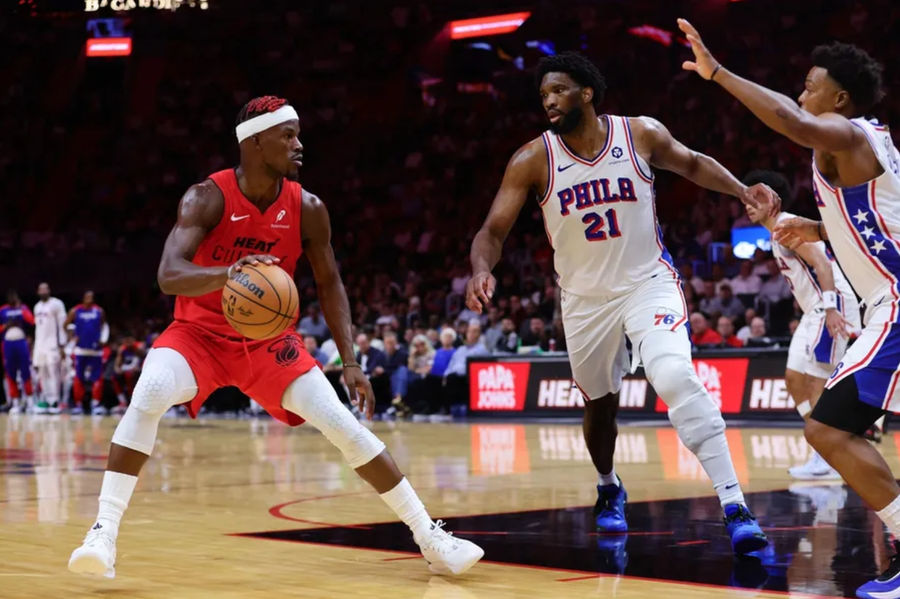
242 231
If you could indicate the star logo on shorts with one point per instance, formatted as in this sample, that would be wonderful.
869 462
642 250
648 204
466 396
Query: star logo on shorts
617 152
286 350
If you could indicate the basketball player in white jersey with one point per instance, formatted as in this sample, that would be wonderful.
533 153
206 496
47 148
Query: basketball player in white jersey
594 181
49 344
856 180
830 314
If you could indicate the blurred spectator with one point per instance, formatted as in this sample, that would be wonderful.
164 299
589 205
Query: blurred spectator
312 346
508 342
396 359
313 323
744 332
456 384
725 304
746 283
373 362
725 329
688 276
535 333
758 337
493 327
701 334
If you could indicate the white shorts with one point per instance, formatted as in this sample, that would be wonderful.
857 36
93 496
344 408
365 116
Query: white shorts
46 357
813 350
596 328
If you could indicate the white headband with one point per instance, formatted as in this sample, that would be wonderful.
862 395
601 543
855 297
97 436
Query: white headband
264 121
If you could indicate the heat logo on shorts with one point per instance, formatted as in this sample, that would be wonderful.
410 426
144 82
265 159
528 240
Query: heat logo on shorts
286 350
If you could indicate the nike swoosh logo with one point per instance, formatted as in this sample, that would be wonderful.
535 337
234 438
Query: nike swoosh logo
730 486
235 218
562 168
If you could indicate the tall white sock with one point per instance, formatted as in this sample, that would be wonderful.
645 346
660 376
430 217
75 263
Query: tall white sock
408 507
890 515
609 479
115 493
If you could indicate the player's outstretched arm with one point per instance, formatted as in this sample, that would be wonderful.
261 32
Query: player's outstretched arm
815 256
828 132
199 211
521 176
316 236
663 151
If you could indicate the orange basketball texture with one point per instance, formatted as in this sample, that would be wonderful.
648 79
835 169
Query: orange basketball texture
260 301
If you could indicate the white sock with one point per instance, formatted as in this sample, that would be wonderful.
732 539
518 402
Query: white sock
890 515
115 493
408 507
609 479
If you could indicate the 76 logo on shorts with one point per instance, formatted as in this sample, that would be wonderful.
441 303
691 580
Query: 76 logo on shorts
664 319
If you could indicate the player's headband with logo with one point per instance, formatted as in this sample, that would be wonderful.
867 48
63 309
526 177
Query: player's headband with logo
265 121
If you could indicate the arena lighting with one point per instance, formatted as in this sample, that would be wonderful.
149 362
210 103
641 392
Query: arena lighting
483 26
126 5
658 35
109 46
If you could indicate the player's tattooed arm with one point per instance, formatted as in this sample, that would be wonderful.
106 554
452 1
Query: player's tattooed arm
316 237
199 212
828 132
526 172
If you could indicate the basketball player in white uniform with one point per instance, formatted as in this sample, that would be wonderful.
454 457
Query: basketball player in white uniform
830 314
594 181
856 179
49 341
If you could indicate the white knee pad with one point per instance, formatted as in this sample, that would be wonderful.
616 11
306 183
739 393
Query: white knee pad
312 397
693 413
166 380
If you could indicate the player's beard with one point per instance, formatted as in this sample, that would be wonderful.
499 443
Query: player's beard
568 122
44 297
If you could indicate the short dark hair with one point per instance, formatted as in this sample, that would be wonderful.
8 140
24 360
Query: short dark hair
776 181
258 106
575 65
854 70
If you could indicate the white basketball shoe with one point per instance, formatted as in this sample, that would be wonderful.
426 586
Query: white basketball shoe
97 554
816 468
447 554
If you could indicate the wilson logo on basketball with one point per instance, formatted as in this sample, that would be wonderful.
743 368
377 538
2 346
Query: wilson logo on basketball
498 386
286 350
243 279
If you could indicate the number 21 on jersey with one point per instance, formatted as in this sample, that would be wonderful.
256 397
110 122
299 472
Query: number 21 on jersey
596 224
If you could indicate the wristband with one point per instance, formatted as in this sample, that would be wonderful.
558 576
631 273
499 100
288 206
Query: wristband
715 70
829 300
351 365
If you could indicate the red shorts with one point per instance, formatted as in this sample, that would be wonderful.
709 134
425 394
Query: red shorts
261 369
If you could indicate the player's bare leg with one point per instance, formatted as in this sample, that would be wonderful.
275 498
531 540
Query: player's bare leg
312 397
600 432
805 390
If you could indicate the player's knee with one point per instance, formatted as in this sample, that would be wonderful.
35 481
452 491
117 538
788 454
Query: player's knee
796 385
697 420
823 438
669 370
155 391
601 412
362 447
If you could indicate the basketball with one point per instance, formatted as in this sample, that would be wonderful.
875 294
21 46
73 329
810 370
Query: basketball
260 301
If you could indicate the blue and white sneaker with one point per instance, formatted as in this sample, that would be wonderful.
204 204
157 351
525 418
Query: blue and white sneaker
744 530
886 586
609 511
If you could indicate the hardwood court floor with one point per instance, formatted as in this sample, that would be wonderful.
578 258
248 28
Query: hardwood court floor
250 508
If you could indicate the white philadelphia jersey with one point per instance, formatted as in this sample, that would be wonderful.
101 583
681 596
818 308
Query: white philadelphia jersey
49 325
600 216
863 222
803 280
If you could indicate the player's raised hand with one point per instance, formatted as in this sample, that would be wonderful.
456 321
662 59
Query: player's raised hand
703 64
792 232
480 290
252 260
360 390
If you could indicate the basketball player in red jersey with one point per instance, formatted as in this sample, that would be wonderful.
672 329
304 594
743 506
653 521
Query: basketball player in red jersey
254 213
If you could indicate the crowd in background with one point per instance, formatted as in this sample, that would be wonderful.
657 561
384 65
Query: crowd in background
406 137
